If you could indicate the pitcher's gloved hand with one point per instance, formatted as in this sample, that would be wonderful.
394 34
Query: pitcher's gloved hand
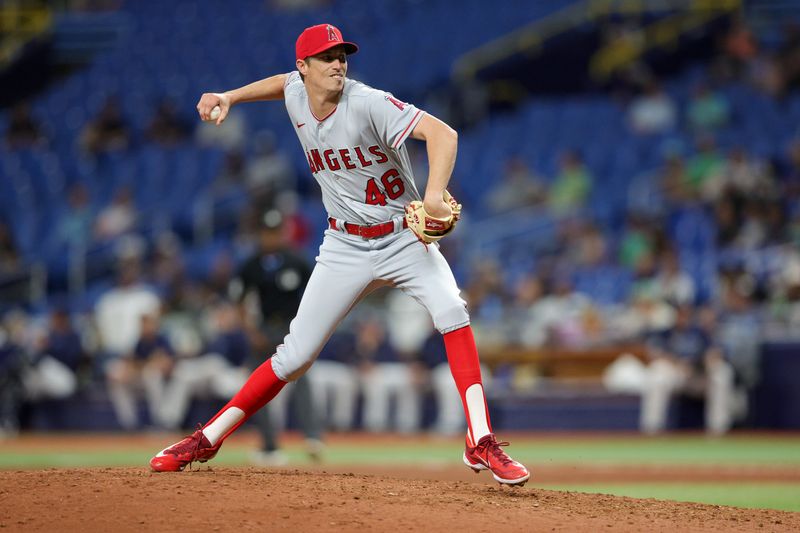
429 228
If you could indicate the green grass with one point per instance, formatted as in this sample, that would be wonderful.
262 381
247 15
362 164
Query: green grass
546 450
691 450
762 495
684 450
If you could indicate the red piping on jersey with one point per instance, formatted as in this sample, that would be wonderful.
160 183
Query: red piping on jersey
326 116
407 127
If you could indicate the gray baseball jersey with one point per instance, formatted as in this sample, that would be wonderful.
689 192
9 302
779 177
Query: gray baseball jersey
356 153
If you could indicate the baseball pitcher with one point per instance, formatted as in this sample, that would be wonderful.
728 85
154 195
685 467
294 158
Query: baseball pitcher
380 232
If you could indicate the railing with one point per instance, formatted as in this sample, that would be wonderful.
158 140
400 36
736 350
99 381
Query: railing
529 38
18 26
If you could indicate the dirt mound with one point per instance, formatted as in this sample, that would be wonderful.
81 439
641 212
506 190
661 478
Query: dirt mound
230 499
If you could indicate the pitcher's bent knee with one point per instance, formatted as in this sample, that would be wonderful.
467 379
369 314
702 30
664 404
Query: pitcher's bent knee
451 318
289 365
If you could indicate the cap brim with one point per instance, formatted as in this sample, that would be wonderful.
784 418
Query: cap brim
349 48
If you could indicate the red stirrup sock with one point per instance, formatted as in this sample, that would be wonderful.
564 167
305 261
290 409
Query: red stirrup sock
262 386
462 354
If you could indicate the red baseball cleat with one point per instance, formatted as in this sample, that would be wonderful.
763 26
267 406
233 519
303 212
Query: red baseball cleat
195 447
487 455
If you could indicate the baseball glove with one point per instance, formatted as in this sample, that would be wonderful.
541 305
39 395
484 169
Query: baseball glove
430 229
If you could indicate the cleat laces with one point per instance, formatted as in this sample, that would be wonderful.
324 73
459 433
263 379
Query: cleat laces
493 447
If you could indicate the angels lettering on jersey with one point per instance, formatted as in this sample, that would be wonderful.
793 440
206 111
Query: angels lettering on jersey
357 153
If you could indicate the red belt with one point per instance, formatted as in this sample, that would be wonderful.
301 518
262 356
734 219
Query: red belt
367 232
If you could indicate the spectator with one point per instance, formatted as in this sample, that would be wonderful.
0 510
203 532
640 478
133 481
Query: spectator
672 284
652 112
118 315
334 382
572 186
708 110
738 328
707 164
117 218
218 372
638 242
167 128
145 368
75 226
752 233
23 130
519 188
556 318
107 132
742 175
675 180
684 360
727 220
57 357
384 376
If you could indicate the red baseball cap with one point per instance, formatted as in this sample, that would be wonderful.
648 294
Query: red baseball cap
319 38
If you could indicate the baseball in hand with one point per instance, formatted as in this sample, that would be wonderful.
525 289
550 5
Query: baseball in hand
214 115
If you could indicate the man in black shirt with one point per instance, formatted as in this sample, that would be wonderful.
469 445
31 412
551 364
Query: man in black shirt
274 277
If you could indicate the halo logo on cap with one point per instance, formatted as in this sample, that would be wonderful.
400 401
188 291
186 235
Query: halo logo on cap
332 34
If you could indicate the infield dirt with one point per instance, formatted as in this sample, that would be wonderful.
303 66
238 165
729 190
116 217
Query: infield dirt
247 499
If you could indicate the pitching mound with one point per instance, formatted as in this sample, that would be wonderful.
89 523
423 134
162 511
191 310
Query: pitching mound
229 499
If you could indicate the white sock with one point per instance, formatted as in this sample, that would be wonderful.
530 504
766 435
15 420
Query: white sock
476 411
223 423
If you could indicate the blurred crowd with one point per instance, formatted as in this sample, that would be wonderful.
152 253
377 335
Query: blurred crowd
707 259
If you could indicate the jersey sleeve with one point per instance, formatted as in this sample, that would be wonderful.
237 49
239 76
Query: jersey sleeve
393 120
292 79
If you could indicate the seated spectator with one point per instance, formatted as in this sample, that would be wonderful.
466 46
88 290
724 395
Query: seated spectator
385 376
23 130
572 186
117 218
673 284
685 360
519 188
118 316
75 226
167 127
741 175
708 110
652 112
674 180
57 356
145 369
219 371
107 132
334 383
638 241
707 164
558 317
